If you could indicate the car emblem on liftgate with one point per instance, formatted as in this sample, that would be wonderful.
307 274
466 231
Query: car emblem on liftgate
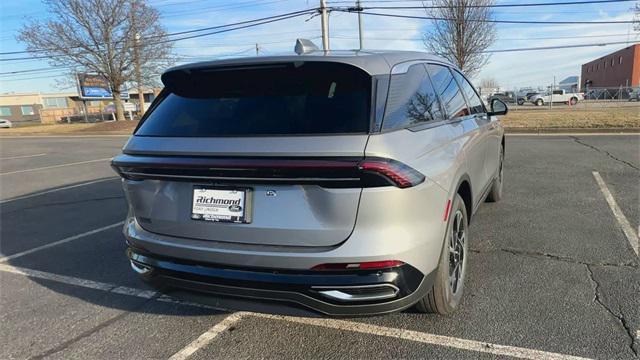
271 193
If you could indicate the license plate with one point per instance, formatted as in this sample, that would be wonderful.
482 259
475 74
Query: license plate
222 205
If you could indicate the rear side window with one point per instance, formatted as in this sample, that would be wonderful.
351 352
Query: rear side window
279 99
448 90
475 104
412 99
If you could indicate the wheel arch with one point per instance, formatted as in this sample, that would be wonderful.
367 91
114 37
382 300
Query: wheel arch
463 188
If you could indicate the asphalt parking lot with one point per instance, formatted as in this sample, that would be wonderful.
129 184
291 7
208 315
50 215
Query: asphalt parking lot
553 271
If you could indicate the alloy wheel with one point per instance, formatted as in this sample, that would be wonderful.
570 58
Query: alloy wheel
456 252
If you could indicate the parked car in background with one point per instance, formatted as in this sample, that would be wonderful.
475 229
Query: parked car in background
528 95
508 97
343 181
634 94
556 96
5 124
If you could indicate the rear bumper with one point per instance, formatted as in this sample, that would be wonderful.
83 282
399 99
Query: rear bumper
341 293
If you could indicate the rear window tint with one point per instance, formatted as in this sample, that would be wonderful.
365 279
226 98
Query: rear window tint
281 99
448 90
412 99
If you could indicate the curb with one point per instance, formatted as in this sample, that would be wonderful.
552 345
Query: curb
537 131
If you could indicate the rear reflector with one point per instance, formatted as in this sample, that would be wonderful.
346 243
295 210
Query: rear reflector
370 265
447 210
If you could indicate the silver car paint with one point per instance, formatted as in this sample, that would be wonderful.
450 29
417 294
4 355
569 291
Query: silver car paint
312 225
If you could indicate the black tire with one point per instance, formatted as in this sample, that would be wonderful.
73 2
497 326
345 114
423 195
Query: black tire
495 194
539 102
445 295
520 102
573 101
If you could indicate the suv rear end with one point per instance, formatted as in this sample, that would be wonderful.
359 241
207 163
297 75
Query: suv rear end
253 179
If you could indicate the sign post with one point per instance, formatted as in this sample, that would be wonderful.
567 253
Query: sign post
95 87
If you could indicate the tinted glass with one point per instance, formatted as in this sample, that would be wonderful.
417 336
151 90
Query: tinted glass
475 104
448 89
280 99
411 100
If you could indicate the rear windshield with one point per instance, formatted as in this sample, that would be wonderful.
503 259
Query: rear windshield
282 99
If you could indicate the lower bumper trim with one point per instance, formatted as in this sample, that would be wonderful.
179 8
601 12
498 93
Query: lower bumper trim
401 286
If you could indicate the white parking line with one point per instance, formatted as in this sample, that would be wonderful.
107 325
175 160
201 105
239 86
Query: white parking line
426 338
55 166
204 339
69 280
617 213
55 243
58 189
209 335
22 156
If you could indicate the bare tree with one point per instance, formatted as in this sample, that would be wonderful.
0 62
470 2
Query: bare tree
489 83
460 32
99 36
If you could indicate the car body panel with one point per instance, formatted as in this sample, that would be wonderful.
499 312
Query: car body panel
307 225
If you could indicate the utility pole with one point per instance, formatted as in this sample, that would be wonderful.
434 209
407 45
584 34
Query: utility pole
257 49
360 34
324 20
136 59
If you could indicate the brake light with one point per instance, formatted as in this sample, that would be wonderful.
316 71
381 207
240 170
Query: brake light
401 175
369 265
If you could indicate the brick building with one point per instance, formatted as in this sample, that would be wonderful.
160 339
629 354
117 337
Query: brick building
621 68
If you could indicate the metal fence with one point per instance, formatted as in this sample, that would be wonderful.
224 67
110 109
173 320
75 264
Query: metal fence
593 97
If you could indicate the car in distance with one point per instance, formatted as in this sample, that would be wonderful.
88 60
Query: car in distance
5 124
508 97
342 181
556 96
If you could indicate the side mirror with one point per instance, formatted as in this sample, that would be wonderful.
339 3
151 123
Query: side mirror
498 107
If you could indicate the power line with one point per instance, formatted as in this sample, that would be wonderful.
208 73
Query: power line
263 20
556 47
492 20
495 5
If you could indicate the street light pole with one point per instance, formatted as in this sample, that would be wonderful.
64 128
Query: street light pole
360 33
324 19
136 59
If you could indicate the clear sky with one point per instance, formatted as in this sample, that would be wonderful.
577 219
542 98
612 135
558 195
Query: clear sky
511 70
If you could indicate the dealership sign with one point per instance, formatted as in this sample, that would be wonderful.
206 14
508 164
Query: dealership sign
94 86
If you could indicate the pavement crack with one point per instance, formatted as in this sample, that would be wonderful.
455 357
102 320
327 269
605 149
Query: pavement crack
543 255
604 152
619 316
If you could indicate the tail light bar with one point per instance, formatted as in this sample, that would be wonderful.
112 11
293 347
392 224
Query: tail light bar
327 172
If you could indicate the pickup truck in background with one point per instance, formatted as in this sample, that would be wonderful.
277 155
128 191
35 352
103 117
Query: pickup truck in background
556 96
508 97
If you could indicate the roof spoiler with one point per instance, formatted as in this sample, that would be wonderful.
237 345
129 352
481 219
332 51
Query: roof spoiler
304 46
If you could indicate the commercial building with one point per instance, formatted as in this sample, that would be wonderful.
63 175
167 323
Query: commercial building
615 70
26 108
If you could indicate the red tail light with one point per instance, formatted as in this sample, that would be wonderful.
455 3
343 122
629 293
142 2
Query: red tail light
328 172
369 265
400 174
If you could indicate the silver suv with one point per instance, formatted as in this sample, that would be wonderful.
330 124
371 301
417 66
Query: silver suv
341 181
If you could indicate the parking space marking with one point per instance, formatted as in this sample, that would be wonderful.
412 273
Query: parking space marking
55 243
22 156
55 166
58 189
617 213
204 339
70 280
426 338
207 337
